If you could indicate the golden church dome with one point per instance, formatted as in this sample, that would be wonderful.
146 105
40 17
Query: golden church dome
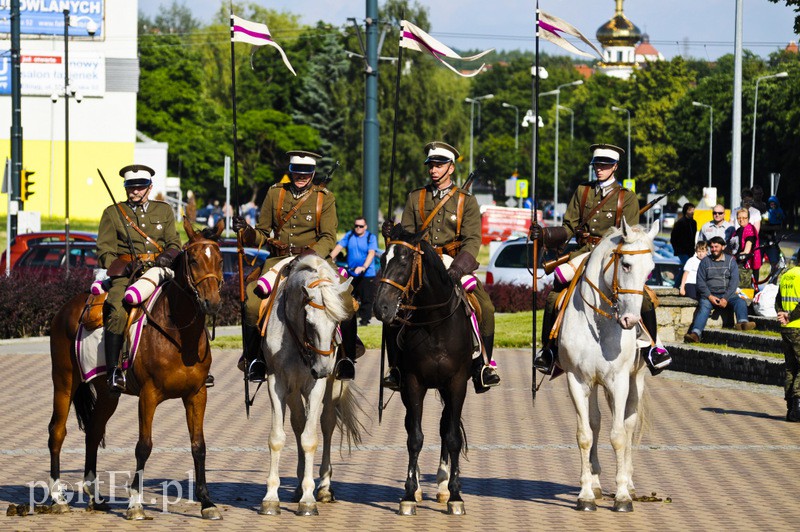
619 31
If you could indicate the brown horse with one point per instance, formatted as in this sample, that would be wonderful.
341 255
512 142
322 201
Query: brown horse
173 361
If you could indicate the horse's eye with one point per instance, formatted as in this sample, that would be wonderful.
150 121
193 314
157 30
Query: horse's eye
626 267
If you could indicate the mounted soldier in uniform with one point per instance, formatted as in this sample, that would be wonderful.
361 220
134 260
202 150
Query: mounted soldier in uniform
146 238
595 207
297 217
453 220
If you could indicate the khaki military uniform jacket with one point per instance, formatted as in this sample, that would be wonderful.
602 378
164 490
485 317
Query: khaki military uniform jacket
443 226
302 228
577 220
156 219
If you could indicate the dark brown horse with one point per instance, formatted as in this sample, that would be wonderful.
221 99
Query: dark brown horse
429 335
172 362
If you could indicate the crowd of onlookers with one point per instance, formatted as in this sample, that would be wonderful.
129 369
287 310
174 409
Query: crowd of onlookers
720 260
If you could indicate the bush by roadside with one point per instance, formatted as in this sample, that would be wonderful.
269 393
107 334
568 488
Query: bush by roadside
30 301
515 298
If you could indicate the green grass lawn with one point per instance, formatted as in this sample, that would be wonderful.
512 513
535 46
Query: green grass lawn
511 330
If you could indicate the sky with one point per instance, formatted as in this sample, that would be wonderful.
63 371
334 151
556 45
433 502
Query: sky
702 29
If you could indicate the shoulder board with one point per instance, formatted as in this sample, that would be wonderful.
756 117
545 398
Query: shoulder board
159 202
277 185
463 191
322 189
586 184
420 189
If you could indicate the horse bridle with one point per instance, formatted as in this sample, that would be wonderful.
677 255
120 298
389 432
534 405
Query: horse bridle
414 283
303 342
190 280
616 255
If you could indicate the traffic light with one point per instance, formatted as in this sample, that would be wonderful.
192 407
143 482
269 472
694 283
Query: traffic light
25 189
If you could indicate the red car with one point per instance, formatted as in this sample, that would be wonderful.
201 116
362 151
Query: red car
48 257
23 241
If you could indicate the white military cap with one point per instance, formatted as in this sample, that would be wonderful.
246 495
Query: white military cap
137 175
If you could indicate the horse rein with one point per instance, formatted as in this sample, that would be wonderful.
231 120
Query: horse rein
413 285
303 343
616 255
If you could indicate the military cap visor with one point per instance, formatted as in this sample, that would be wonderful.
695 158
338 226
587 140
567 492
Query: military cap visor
440 152
137 175
606 153
302 168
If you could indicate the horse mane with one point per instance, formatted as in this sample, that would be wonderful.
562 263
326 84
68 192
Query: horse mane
315 267
208 233
431 263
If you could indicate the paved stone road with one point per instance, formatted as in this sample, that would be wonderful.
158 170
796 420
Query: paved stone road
719 450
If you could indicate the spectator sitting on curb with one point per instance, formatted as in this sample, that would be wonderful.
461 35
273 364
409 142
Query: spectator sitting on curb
717 281
688 286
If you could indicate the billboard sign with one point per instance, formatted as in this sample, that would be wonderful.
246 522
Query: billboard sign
46 17
42 74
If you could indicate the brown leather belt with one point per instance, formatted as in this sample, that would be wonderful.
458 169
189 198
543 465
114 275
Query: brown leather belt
286 251
590 240
451 249
144 257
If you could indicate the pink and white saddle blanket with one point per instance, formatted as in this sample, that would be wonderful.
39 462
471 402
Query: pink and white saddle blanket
90 348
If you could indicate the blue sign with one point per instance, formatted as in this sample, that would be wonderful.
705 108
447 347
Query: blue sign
46 17
653 188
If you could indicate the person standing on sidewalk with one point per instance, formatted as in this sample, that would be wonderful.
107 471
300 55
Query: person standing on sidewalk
789 318
361 246
717 281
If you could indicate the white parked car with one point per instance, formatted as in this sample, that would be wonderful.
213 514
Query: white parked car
512 261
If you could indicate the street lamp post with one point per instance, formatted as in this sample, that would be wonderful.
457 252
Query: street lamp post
571 120
755 112
516 131
472 102
622 110
557 93
710 136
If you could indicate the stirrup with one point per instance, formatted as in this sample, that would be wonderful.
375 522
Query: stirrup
545 360
116 383
257 371
657 359
345 370
210 381
392 380
486 379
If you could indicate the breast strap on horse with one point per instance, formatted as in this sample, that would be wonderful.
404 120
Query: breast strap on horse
138 230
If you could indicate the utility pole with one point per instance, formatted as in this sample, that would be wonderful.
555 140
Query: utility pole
16 118
371 125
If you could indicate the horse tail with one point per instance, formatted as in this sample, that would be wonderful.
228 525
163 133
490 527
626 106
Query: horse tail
348 409
85 401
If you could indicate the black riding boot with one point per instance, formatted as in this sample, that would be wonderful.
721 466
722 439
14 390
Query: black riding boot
393 379
484 376
253 363
656 357
545 360
345 369
113 347
794 413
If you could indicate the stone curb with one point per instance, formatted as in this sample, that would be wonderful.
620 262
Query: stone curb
735 366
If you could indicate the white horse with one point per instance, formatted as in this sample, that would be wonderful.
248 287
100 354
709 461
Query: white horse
299 349
601 349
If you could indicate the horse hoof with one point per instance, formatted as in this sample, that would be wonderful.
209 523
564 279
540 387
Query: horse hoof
60 508
101 506
211 513
586 506
418 496
270 508
598 493
623 506
408 508
135 514
325 496
442 498
307 508
456 508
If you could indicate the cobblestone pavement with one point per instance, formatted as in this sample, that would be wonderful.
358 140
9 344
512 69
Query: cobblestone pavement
719 450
